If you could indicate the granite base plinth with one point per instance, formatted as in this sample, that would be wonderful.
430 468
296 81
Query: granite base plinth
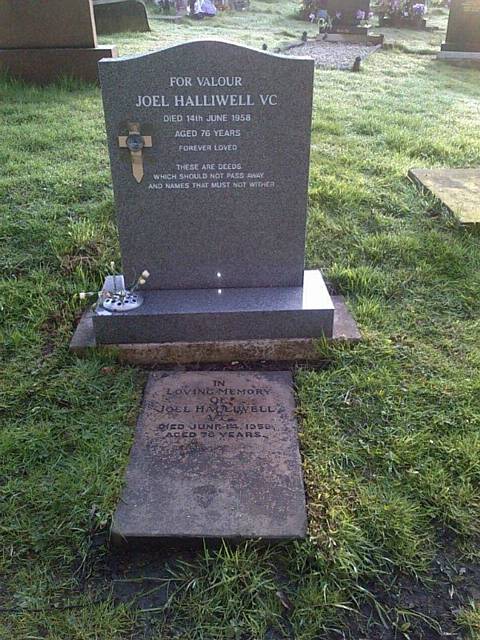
42 66
285 350
186 315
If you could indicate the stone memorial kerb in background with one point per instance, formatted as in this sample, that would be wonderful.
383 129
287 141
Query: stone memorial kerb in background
184 222
462 42
43 40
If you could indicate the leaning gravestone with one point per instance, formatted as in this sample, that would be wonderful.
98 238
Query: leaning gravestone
463 32
215 456
209 149
42 41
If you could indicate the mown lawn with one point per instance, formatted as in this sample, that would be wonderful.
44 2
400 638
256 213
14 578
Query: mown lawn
390 427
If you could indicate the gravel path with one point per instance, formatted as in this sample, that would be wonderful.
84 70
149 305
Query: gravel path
331 55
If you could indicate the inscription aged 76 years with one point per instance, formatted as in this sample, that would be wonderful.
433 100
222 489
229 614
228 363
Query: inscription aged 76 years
215 455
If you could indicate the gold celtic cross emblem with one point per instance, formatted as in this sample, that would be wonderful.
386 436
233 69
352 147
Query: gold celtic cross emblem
135 142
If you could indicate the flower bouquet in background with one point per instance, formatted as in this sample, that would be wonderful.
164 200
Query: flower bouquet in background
402 13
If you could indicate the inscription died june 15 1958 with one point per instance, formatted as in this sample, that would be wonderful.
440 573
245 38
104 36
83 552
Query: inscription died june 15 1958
215 455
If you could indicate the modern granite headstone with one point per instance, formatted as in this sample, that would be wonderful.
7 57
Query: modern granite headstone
215 455
209 149
41 41
463 31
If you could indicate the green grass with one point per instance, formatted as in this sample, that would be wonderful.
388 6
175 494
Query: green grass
469 619
390 428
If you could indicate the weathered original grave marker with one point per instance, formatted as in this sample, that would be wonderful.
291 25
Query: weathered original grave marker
43 41
215 456
462 42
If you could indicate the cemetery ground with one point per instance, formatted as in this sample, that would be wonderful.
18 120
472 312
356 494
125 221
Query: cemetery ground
390 426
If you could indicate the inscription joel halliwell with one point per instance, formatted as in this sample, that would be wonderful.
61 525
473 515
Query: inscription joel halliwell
215 455
224 183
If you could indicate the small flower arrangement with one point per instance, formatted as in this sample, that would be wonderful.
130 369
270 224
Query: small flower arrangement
118 299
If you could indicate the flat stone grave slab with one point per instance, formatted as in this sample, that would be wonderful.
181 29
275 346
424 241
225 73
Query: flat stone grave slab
463 30
215 456
458 189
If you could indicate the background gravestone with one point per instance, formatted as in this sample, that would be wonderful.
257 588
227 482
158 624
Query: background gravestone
41 41
347 12
463 31
30 24
115 16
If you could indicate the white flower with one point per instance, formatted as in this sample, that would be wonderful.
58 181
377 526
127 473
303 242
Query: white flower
82 295
145 274
112 265
141 281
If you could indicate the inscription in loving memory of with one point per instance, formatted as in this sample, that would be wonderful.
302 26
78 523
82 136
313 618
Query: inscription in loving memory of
217 411
230 476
